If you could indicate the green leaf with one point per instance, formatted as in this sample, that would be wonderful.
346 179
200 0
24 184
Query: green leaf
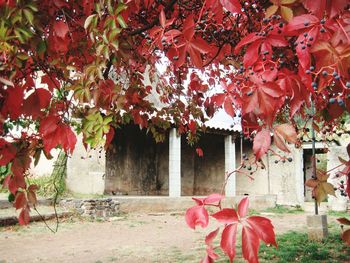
29 16
88 21
121 21
120 8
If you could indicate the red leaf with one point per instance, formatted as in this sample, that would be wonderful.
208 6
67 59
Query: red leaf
51 81
199 152
252 54
197 215
302 22
13 102
20 201
250 244
243 207
228 241
346 237
192 126
60 29
262 142
109 137
343 221
7 152
318 8
233 6
287 131
228 107
279 142
211 236
213 198
24 217
162 18
252 37
218 99
263 228
55 133
37 101
226 216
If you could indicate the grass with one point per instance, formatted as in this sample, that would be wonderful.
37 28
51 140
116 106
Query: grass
280 209
295 246
339 214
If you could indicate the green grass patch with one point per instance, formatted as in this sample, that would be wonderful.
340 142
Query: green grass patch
339 214
295 246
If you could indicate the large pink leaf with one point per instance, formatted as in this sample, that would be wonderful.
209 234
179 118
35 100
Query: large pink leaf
243 207
213 198
228 241
226 216
197 215
250 244
263 228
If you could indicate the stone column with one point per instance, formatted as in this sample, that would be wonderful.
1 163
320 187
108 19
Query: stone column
230 165
174 164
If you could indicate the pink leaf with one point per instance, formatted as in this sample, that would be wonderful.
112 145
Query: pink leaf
243 207
197 215
228 241
250 244
263 228
226 216
233 6
213 198
262 142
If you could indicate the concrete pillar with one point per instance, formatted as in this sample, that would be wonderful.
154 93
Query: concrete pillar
174 164
299 174
230 165
317 227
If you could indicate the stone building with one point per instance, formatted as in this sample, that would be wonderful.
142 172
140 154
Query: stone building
135 165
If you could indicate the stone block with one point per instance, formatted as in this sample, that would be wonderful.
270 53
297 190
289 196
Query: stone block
317 228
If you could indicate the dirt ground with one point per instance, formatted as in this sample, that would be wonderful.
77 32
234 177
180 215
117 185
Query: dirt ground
130 239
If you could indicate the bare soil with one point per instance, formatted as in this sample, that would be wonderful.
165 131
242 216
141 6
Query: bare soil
131 238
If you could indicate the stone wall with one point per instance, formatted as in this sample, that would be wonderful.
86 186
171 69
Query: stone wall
104 207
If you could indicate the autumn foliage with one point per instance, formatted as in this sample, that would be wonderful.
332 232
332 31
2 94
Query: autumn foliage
86 66
253 228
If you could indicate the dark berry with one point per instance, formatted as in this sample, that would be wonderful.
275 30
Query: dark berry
332 100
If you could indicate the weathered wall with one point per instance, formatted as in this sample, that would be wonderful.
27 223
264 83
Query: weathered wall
136 165
203 175
338 203
282 179
85 170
